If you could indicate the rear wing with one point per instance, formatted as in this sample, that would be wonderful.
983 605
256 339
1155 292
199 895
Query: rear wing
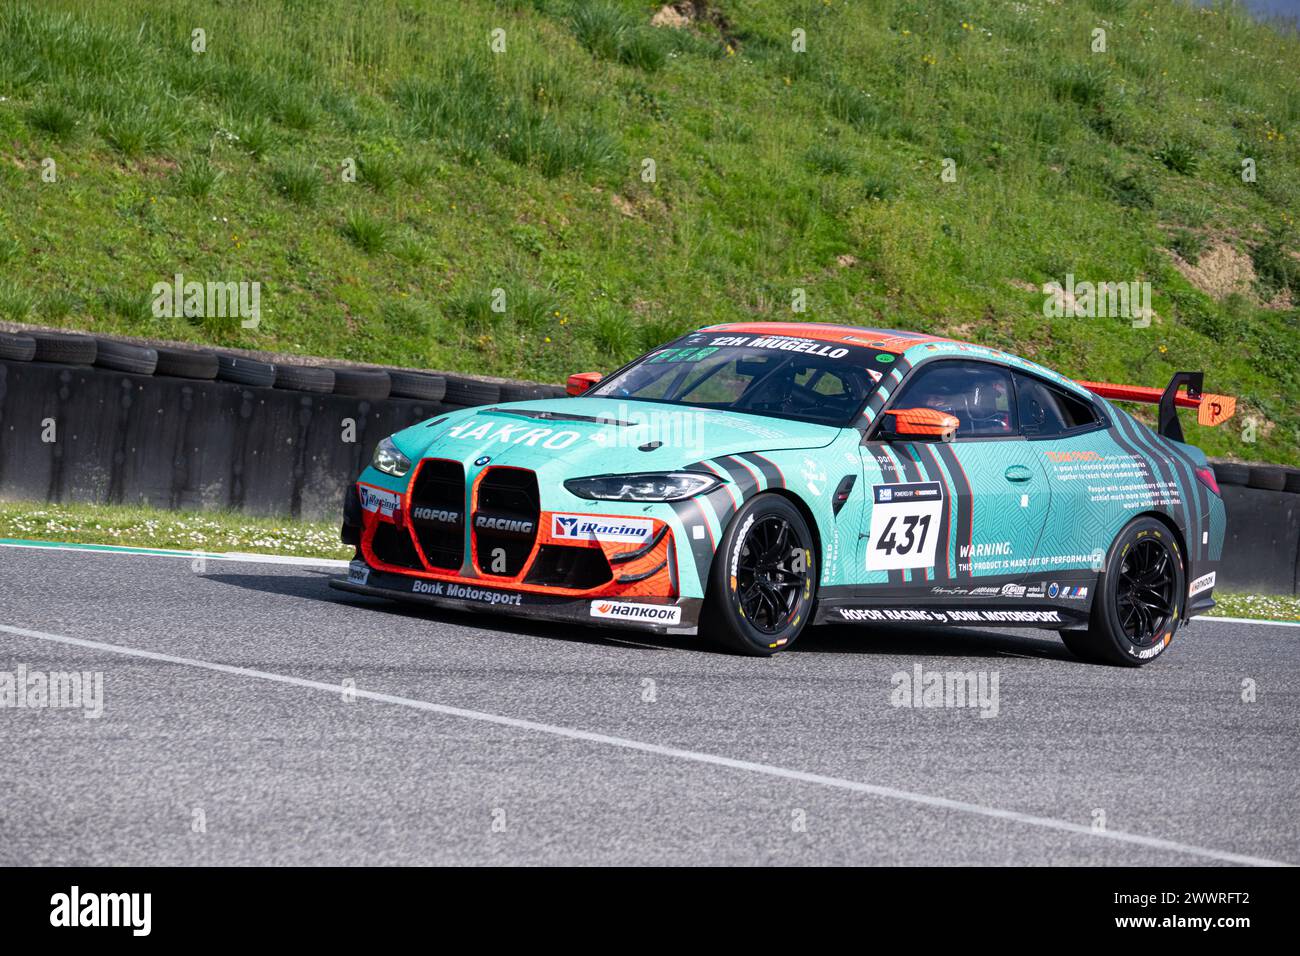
1211 409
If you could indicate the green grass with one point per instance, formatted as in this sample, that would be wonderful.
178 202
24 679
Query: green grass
1267 607
209 531
526 171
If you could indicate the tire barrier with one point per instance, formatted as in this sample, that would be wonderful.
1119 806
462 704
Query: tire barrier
1261 551
206 430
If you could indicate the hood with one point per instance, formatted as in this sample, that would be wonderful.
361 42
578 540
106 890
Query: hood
590 436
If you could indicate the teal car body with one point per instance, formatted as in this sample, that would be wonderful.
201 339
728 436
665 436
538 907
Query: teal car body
1007 521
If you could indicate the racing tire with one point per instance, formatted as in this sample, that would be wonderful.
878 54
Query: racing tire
372 385
1139 602
1268 477
470 391
1231 473
125 357
421 385
245 371
304 378
17 348
187 363
520 392
71 349
764 606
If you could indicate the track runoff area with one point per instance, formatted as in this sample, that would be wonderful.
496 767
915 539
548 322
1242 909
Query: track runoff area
236 711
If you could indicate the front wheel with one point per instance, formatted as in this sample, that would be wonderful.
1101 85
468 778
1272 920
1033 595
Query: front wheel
1137 607
763 580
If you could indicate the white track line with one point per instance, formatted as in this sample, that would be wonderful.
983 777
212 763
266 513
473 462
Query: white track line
677 753
1246 620
189 555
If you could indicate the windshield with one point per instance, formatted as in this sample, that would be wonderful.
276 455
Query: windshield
782 376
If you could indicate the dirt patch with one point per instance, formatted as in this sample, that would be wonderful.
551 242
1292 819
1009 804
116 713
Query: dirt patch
846 261
698 13
623 205
670 16
1219 272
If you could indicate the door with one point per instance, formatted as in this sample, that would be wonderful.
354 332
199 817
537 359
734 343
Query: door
960 509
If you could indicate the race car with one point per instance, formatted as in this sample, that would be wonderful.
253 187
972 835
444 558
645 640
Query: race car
747 480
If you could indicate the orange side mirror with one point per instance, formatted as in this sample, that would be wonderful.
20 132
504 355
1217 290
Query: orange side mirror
579 382
923 422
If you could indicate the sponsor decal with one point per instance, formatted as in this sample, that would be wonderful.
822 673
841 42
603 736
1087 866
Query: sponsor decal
588 528
1074 456
461 592
513 434
956 592
1203 583
1013 590
1036 590
985 592
436 515
377 499
1053 589
904 526
649 613
358 572
507 525
779 343
906 614
952 615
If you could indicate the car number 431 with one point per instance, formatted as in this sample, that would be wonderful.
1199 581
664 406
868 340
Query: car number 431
904 526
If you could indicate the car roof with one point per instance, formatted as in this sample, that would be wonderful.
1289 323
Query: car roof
886 340
899 342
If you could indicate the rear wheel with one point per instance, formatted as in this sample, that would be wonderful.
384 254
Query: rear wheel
763 580
1138 605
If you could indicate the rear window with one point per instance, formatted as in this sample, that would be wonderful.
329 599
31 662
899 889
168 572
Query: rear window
1046 410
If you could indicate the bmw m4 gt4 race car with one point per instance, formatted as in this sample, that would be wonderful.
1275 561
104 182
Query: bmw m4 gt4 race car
748 480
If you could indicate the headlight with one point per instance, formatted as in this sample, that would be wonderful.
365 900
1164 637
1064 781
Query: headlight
389 460
669 486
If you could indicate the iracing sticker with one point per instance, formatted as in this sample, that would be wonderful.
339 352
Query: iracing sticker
376 499
904 526
587 528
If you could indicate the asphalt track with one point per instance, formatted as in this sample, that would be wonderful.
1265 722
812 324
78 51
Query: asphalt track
302 725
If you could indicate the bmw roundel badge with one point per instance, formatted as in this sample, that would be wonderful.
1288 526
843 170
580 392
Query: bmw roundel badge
480 462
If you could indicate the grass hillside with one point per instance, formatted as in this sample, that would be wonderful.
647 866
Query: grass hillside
527 170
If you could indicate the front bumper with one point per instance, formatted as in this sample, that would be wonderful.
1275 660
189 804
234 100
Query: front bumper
491 538
659 615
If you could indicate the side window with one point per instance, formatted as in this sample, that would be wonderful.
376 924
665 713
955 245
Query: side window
979 395
1046 410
